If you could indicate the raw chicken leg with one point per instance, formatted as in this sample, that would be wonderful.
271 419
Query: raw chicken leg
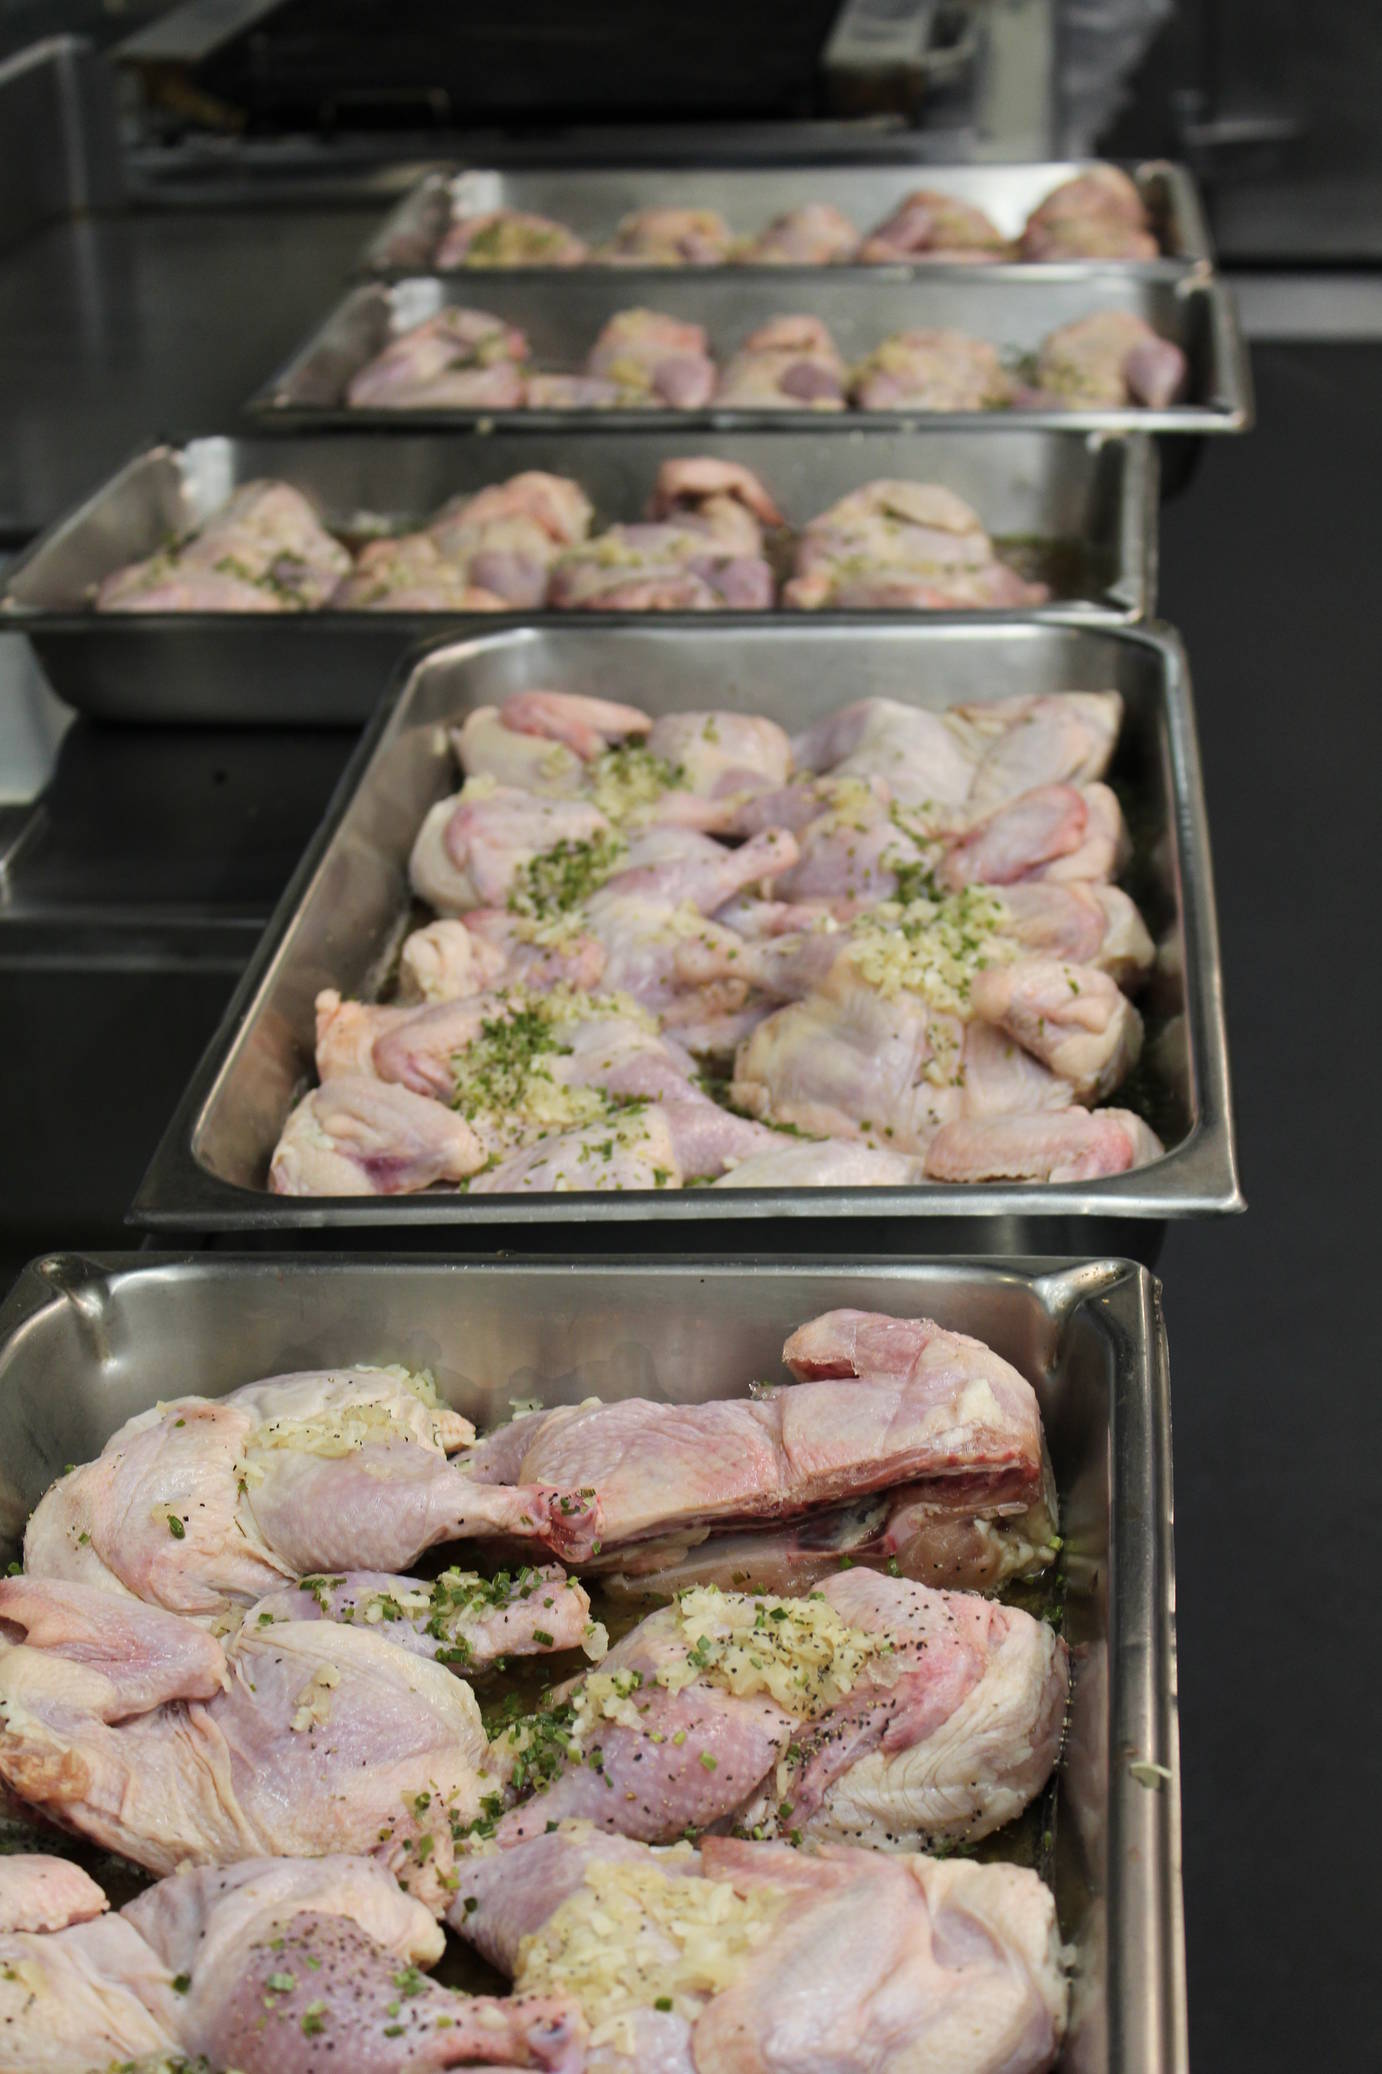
204 1503
1097 215
137 1728
928 225
877 1711
921 1405
669 237
508 237
457 360
293 1964
845 1959
354 1136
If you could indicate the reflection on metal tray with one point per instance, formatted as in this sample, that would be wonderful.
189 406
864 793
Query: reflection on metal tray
591 201
85 1344
1087 503
347 908
1005 306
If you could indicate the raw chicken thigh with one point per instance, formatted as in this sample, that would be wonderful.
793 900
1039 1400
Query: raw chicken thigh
931 370
842 1958
1106 362
817 234
928 225
669 237
457 360
263 551
141 1730
902 544
789 363
701 550
1097 215
890 1714
509 237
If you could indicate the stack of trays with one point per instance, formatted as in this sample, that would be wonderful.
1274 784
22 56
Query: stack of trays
1068 499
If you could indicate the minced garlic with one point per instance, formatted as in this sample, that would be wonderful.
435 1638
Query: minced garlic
313 1703
933 947
634 1936
801 1652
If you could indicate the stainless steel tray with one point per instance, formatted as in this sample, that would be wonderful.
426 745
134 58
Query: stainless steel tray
84 1344
1012 307
591 200
340 920
1093 496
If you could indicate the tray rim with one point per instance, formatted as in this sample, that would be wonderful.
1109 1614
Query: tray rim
1145 1964
1198 1177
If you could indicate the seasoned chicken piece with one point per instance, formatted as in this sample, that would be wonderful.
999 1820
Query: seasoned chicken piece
902 544
508 237
669 237
408 573
897 1714
479 847
587 726
789 363
676 866
460 1618
715 753
672 567
654 359
817 234
822 1163
1052 738
137 1728
1060 832
90 1996
1071 1017
297 1475
456 360
284 1957
265 550
1075 1145
626 1150
725 499
346 1033
1097 215
928 225
925 1407
1106 361
576 959
931 370
356 1137
441 962
42 1893
841 1959
480 552
847 1062
921 757
999 1078
159 585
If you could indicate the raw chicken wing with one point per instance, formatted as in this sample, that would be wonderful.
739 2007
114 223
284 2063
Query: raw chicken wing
1075 1145
353 1136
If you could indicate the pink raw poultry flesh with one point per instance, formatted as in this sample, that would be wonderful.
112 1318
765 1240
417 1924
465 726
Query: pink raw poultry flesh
900 921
